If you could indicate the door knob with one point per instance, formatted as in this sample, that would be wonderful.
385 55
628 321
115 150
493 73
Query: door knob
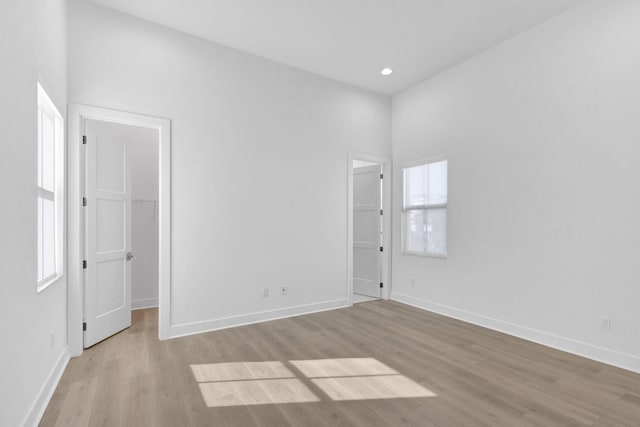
129 256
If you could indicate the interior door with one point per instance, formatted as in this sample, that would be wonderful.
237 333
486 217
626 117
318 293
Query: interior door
107 292
366 231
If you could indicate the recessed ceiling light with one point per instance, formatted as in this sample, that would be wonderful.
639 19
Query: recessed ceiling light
386 71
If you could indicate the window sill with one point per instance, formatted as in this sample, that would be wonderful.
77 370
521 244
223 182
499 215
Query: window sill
425 255
48 282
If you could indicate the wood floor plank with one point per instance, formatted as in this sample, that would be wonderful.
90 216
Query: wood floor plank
106 409
335 363
137 401
77 404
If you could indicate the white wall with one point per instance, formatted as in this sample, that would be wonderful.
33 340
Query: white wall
143 152
259 163
32 48
542 137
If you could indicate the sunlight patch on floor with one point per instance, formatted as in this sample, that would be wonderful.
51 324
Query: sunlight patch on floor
258 392
272 382
240 371
344 367
359 379
371 387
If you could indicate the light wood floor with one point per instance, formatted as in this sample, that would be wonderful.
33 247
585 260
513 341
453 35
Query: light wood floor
476 377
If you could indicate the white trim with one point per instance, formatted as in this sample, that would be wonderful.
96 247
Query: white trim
77 114
193 328
46 194
579 348
424 207
139 304
387 169
48 281
426 254
34 416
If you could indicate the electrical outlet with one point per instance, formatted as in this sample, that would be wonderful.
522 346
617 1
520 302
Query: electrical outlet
284 290
606 322
265 292
412 282
53 339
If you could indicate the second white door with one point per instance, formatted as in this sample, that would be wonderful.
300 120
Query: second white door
366 231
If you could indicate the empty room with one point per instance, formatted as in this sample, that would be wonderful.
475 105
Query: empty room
320 213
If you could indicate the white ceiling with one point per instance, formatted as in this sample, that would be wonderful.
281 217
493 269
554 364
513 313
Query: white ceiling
352 40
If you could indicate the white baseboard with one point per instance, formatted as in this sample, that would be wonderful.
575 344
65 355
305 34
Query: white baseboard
590 351
46 391
185 329
138 304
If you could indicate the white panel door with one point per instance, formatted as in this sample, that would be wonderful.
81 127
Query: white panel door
366 231
107 292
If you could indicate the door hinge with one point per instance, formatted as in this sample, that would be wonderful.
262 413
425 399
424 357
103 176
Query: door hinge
381 249
84 201
381 212
84 139
380 284
84 263
381 176
84 326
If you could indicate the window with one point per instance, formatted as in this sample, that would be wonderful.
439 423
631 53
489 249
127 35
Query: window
49 188
424 209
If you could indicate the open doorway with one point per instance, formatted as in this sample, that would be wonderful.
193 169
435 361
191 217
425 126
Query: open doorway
121 233
367 231
144 154
369 228
120 225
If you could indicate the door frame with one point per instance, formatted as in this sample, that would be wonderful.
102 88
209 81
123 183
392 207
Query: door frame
77 114
386 167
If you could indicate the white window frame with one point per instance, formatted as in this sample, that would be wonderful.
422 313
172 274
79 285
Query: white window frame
46 106
426 207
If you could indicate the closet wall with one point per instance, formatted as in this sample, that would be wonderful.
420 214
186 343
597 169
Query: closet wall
143 150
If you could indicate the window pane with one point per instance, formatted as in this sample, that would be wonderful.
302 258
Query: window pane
48 238
415 231
415 185
437 231
39 148
437 183
40 249
48 158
